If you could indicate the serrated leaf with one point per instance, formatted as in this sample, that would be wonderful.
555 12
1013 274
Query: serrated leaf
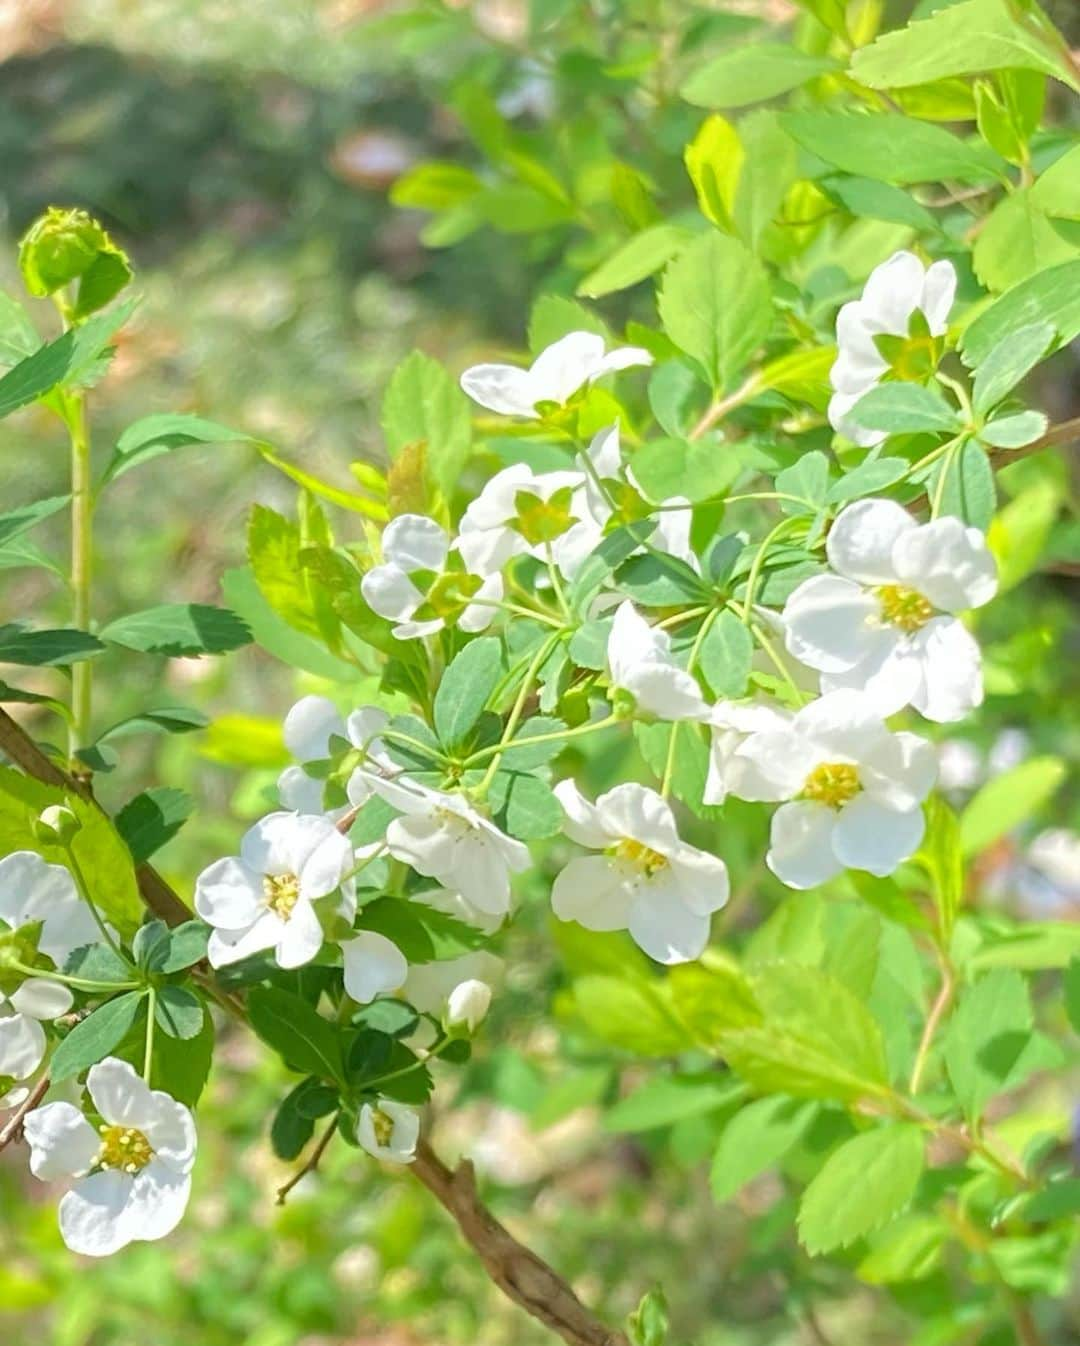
755 1139
987 1037
179 629
1008 362
46 649
524 806
178 1012
635 260
865 1183
633 1017
423 405
1051 296
16 521
671 1098
752 74
60 361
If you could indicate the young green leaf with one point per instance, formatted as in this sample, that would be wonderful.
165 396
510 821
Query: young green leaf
94 1038
423 405
178 1012
17 521
865 1183
1008 362
180 629
152 818
1006 801
635 260
1052 296
155 435
987 1038
756 1139
725 655
465 689
751 74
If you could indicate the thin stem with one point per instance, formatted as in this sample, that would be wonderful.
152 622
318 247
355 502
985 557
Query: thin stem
518 709
312 1163
148 1054
12 1128
84 891
82 542
960 391
933 1021
758 565
482 754
76 983
556 583
433 1055
695 650
718 409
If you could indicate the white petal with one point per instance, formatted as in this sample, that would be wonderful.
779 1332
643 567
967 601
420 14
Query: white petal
635 811
405 795
363 726
843 726
504 389
949 563
558 372
424 842
373 965
900 770
623 357
93 1215
774 765
308 727
22 1046
583 821
159 1197
62 1142
893 292
668 692
301 937
401 1148
268 846
664 928
861 541
226 947
829 623
702 879
299 792
229 894
323 856
594 892
952 671
605 452
428 985
479 872
120 1094
939 291
868 835
389 592
800 844
33 890
890 676
415 542
843 422
479 614
171 1132
40 999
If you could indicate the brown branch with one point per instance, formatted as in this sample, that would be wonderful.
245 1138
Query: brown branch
17 745
12 1129
518 1272
312 1163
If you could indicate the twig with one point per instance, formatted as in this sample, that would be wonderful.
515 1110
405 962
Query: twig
312 1163
518 1272
17 744
12 1129
933 1019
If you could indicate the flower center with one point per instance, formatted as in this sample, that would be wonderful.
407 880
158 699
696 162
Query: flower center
125 1148
448 596
639 855
832 783
382 1125
542 520
904 607
282 892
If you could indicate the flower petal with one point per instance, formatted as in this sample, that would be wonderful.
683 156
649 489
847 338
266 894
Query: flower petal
861 541
939 291
62 1142
949 563
869 835
560 370
841 406
229 894
93 1215
171 1132
594 892
301 937
299 792
663 927
890 676
900 770
892 293
40 999
702 879
373 965
22 1045
120 1094
415 542
504 389
389 592
828 623
800 844
635 811
159 1197
226 947
308 727
584 823
952 671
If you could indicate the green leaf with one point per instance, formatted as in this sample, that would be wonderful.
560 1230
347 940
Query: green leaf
275 635
1020 531
756 1139
866 1182
716 305
691 760
635 260
97 962
648 1324
150 945
906 1250
1014 432
152 818
941 857
904 408
94 1038
154 435
692 469
671 1098
1008 800
1052 296
631 1016
182 1065
465 689
867 479
187 945
1072 993
752 74
1021 236
306 1041
178 1012
725 655
553 316
422 934
891 148
962 39
711 1000
987 1038
865 198
969 491
291 1129
424 406
1007 363
46 649
17 521
179 629
524 806
60 361
18 335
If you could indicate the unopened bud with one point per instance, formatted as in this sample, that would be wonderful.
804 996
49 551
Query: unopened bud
56 825
467 1004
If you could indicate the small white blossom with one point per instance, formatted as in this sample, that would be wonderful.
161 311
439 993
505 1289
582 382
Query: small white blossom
892 326
639 662
389 1130
424 586
308 729
467 1004
647 880
520 512
263 899
554 376
32 890
374 965
132 1174
429 986
884 622
854 790
22 1038
444 838
732 724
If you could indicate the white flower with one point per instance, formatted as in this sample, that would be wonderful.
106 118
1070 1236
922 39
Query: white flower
264 898
522 512
373 965
453 904
855 790
444 838
308 729
555 375
884 623
389 1130
32 890
892 326
22 1038
133 1173
467 1004
733 722
640 662
647 880
429 986
423 586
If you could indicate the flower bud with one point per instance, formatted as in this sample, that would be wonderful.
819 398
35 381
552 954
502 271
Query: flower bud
64 246
56 825
467 1004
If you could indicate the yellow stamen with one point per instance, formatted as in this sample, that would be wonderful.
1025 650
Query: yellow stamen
282 892
904 607
832 783
382 1125
639 855
125 1148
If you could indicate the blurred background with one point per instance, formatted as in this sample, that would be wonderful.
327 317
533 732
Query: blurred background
244 155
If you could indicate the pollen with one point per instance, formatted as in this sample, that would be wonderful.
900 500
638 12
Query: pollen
282 891
125 1148
832 783
639 855
382 1125
903 607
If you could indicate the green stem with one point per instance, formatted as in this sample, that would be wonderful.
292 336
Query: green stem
695 650
518 709
440 1045
82 535
76 983
593 725
758 565
556 583
148 1055
84 891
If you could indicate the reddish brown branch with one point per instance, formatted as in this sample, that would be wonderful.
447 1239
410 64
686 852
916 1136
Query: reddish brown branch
12 1129
518 1272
